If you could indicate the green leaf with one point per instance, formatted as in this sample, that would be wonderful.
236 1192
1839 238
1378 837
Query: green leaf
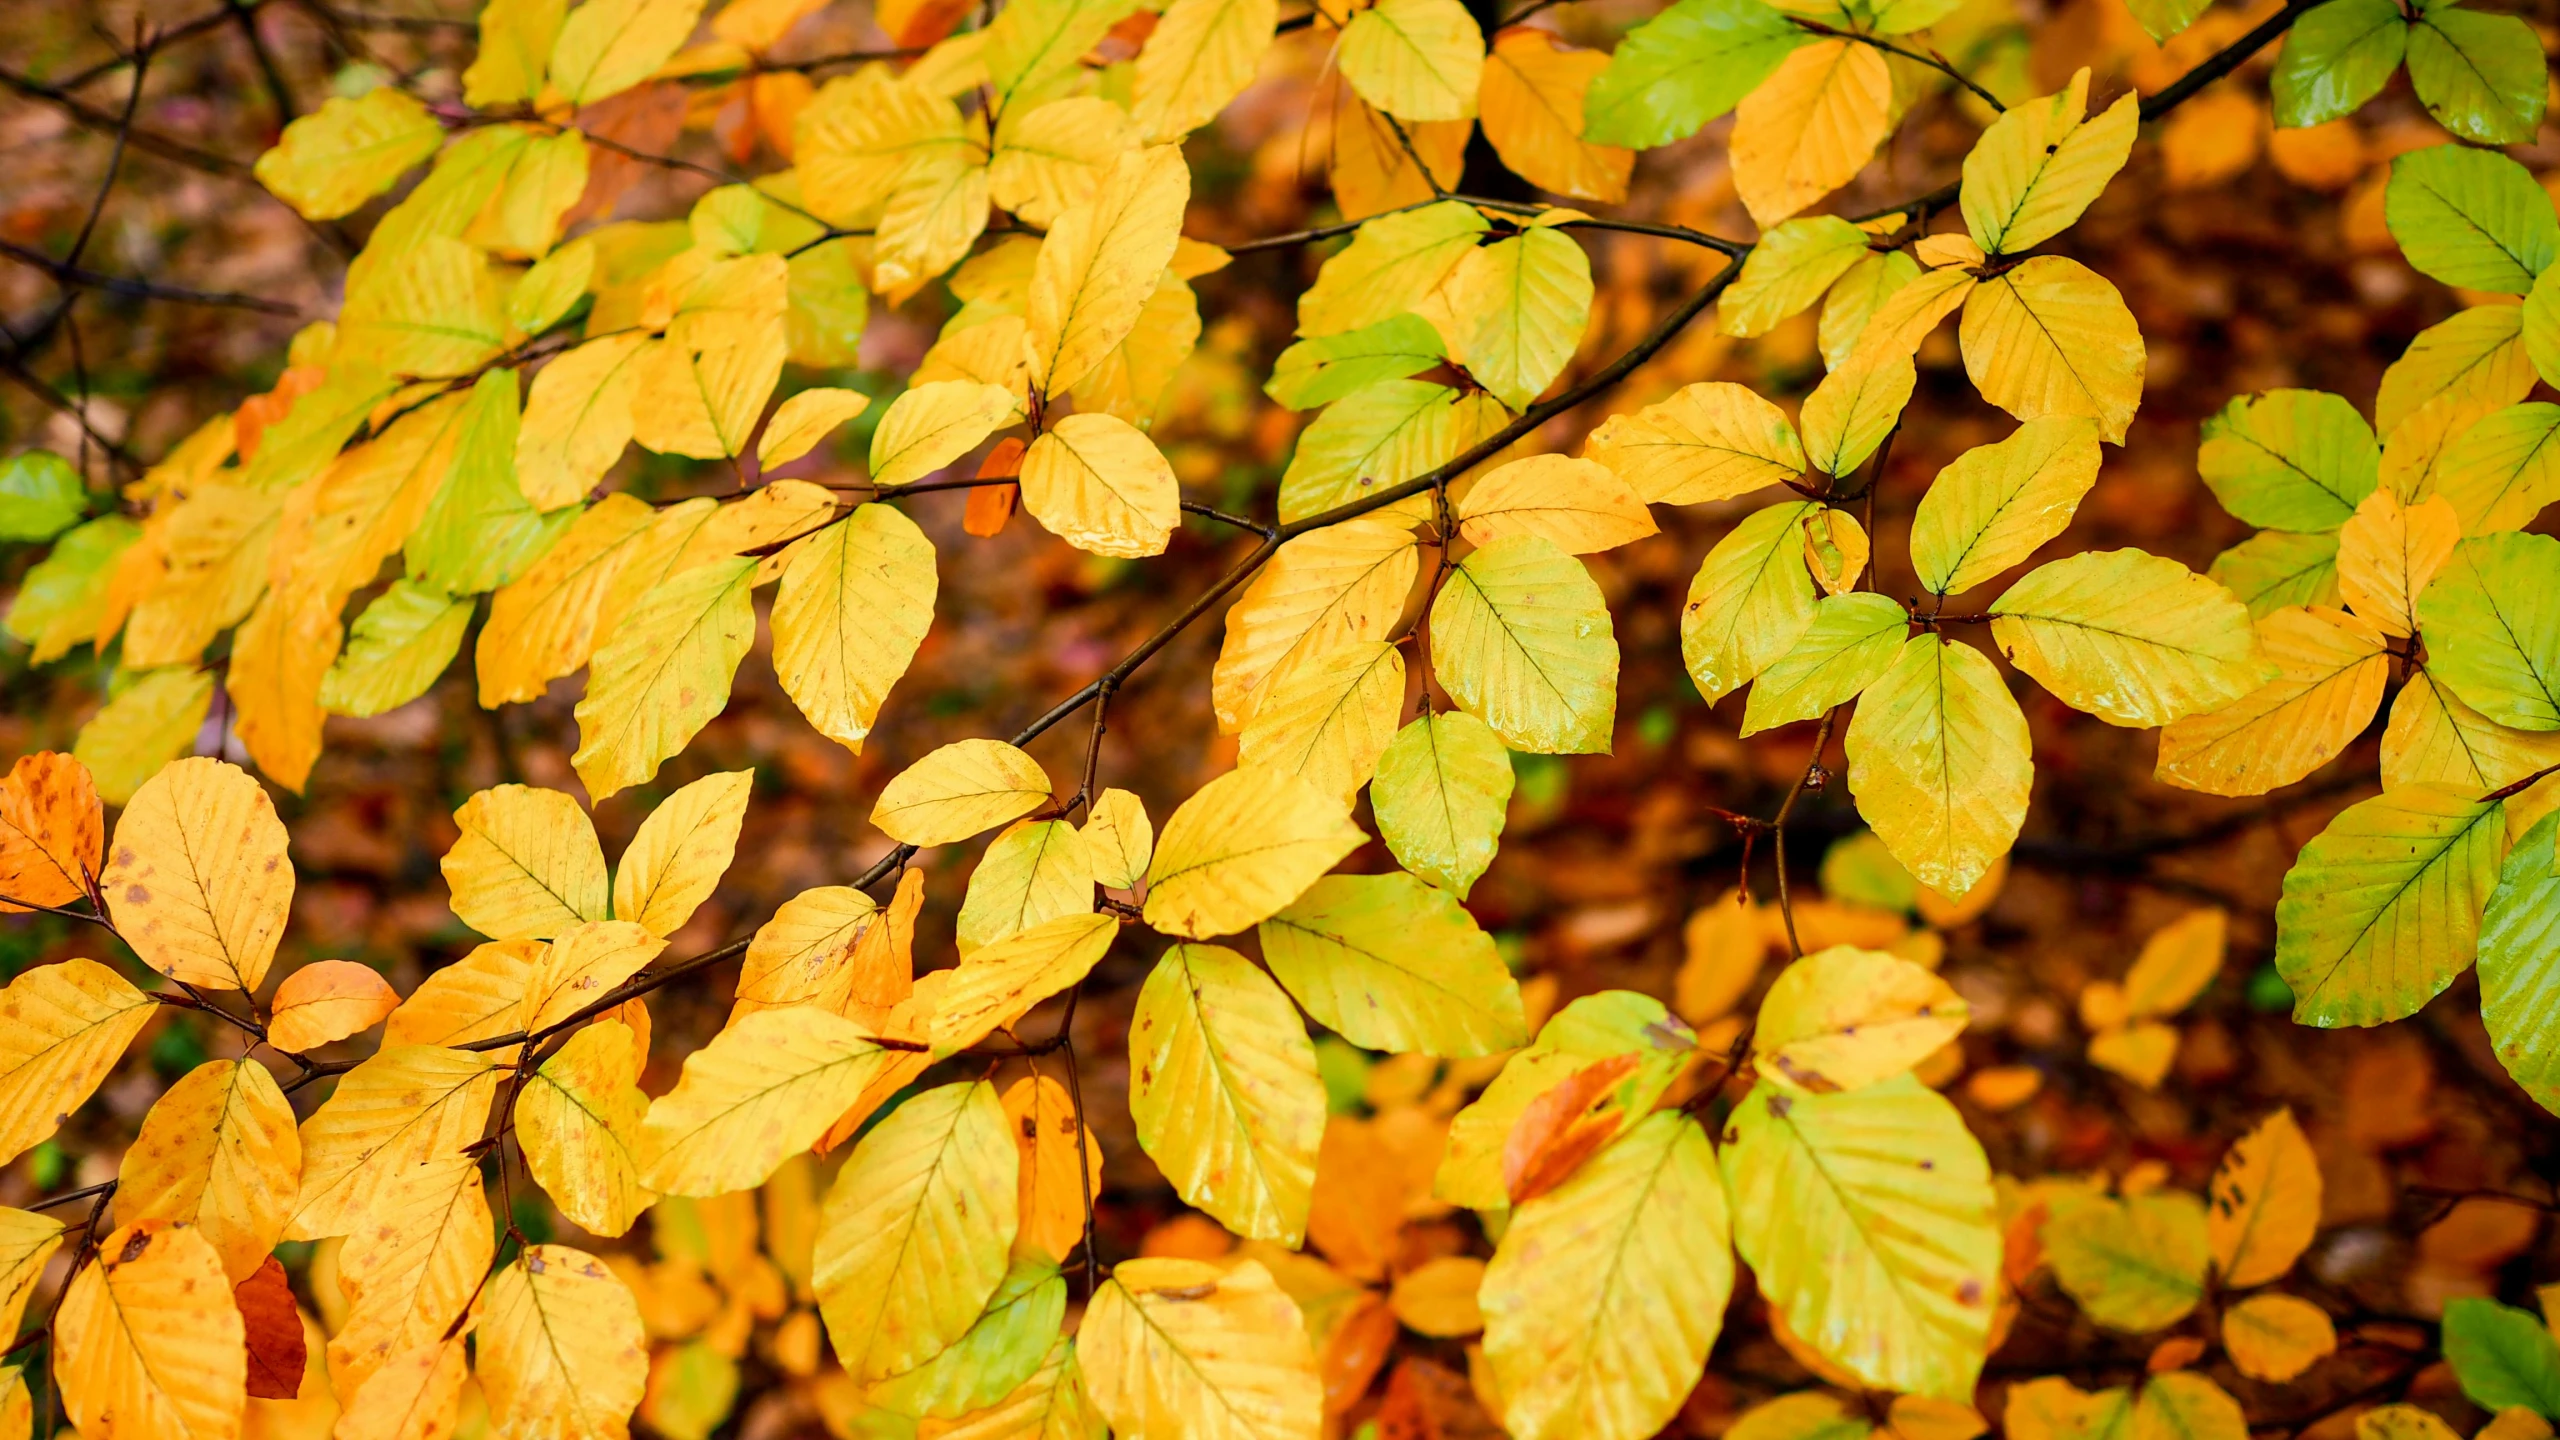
2501 472
1868 1219
2520 965
2382 909
1940 763
1790 267
1848 415
2503 1356
1442 791
2136 1264
2481 76
1683 68
1389 432
1393 964
999 1352
2492 621
401 643
40 496
2276 568
64 596
1853 640
1327 368
2132 638
480 532
2161 19
1995 504
2290 459
149 719
2036 170
2541 323
2473 219
2336 58
1595 1027
1607 1292
1520 635
1224 1091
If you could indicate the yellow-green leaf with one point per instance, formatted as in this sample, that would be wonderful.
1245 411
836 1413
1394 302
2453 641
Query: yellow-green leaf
1414 59
1392 263
1996 503
1940 763
1101 261
1328 723
765 1088
1247 844
350 150
2382 909
1393 964
1442 792
855 603
665 673
2130 637
1518 308
1520 636
959 790
1225 1093
1035 872
1846 1018
2134 1264
1712 440
1751 600
2038 167
1097 482
996 984
578 1121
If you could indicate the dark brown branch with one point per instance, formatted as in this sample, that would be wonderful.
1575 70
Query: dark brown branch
1932 61
277 92
132 289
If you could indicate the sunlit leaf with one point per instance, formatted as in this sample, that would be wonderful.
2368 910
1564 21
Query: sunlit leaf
1224 1091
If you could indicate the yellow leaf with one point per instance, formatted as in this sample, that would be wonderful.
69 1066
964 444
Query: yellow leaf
916 1230
1202 53
1438 1297
2130 637
561 1351
855 603
542 182
1811 126
1713 440
1120 839
2388 551
27 1241
2052 337
2038 167
1391 265
764 1089
578 418
2265 1203
1338 586
1996 503
328 163
418 1392
1130 381
1521 638
804 420
1051 158
2182 1405
1383 434
483 995
1393 964
1441 795
1855 298
1607 1292
1846 1018
1867 1218
431 311
934 216
699 392
1941 251
1372 172
1051 1405
280 657
934 424
578 1121
544 624
1579 505
2177 962
960 790
413 1271
1098 483
1035 872
665 674
1940 764
2141 1052
1414 59
2479 356
1184 1350
1517 310
526 866
147 1341
1532 99
2275 1337
1246 844
997 984
1903 319
1750 602
2330 670
809 954
1041 1114
2403 1422
198 880
217 1152
1848 415
2435 737
62 1029
1794 262
383 1130
1101 260
1224 1091
864 134
681 851
2135 1264
515 50
608 46
1836 550
1723 945
1328 723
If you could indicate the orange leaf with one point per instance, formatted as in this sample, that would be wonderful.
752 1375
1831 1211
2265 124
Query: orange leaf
1041 1115
1562 1128
328 1000
1354 1352
52 830
274 1331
